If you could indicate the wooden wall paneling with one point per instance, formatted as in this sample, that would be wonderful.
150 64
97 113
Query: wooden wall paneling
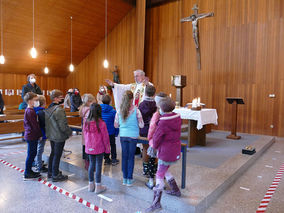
241 49
90 74
140 32
16 81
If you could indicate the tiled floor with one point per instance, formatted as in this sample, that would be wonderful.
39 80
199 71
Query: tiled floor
19 196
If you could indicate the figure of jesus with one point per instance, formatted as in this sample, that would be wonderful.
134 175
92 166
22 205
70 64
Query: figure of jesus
194 19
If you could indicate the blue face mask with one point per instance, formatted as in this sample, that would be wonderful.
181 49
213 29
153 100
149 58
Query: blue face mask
161 112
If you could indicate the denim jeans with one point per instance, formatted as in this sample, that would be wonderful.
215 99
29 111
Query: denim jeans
128 146
96 162
54 158
40 150
112 148
32 150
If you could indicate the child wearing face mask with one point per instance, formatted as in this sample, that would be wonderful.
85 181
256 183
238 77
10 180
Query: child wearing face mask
32 135
166 140
39 109
57 131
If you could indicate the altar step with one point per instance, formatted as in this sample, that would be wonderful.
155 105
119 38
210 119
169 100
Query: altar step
204 185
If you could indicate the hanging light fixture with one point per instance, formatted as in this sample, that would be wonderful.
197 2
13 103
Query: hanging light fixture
33 51
71 66
2 58
46 70
106 64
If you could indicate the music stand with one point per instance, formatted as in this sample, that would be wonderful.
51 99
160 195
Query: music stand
235 101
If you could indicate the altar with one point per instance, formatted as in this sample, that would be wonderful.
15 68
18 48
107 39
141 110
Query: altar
197 120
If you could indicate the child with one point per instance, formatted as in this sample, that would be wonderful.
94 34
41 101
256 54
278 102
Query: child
147 109
32 135
97 143
57 131
108 115
166 140
39 109
152 165
129 120
88 99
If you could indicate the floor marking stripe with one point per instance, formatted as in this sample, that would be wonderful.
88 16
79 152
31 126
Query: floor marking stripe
59 189
272 188
247 189
77 190
13 153
105 197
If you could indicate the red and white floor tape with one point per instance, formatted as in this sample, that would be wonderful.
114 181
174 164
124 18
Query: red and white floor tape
265 201
13 153
59 189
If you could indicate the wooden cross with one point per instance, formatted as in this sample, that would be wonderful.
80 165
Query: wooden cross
194 19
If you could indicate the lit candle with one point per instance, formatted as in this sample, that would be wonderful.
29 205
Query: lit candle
198 101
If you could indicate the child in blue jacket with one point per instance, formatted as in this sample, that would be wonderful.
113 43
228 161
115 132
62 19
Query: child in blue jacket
108 116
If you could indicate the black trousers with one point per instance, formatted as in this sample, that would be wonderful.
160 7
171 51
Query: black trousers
112 148
54 158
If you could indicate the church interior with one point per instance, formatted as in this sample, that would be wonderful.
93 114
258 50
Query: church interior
211 69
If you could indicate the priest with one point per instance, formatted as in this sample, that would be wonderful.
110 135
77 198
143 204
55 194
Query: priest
138 88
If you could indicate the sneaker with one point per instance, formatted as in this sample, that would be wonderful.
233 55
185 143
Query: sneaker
32 176
59 178
149 185
107 161
42 170
115 162
49 176
124 182
129 182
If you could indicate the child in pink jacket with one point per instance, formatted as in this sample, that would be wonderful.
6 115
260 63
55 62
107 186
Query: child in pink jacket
152 165
96 145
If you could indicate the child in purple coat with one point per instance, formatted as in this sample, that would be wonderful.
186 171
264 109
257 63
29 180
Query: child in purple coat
166 141
32 135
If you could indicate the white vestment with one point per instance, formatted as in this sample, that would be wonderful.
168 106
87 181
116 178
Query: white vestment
137 89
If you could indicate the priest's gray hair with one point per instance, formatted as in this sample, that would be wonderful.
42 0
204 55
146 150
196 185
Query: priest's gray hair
140 72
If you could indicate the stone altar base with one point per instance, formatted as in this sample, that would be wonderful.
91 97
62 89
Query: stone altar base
210 170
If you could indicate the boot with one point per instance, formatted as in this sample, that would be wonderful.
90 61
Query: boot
99 188
145 169
174 188
91 187
156 201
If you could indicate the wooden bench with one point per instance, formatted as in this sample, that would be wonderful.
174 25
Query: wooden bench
12 127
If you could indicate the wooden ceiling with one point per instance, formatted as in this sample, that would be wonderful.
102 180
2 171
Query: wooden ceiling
52 32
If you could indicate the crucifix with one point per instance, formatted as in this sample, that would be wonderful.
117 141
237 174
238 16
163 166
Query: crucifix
194 19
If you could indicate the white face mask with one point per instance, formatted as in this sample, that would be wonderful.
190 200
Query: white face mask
32 80
36 104
161 112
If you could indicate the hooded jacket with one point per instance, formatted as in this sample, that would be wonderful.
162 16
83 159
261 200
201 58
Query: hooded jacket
166 138
147 108
56 125
96 141
108 116
75 101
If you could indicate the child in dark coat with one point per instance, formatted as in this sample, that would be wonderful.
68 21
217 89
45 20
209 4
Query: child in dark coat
147 108
39 109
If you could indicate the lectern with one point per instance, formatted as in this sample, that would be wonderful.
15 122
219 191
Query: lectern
179 81
235 102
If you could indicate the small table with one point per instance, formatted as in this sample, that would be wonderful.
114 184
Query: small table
197 122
